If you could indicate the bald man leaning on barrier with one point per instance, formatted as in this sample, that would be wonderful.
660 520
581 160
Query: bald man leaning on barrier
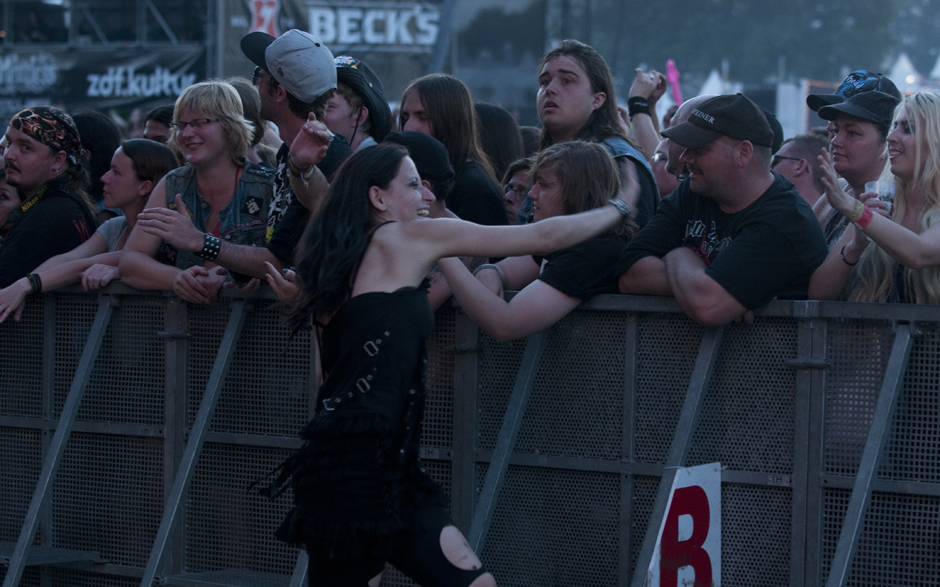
734 235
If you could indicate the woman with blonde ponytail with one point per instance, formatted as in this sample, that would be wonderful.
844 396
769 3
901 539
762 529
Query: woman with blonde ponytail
904 263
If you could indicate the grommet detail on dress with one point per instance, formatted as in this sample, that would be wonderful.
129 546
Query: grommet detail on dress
378 341
349 394
362 385
411 392
387 333
370 348
368 378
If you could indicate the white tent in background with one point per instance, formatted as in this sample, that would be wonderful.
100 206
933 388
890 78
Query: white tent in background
935 72
904 76
713 84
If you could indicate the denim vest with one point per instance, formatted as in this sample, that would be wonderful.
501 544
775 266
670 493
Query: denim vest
242 222
618 147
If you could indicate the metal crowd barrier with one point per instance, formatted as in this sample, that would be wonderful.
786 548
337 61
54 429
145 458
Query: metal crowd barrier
131 425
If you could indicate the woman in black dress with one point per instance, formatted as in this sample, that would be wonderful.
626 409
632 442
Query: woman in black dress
361 495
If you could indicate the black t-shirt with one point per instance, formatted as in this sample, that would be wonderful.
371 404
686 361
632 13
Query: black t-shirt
476 197
289 227
57 223
770 249
587 269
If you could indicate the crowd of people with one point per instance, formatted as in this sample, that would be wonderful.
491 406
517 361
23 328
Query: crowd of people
364 223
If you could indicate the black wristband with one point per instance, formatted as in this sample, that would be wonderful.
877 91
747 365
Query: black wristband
35 283
211 246
842 254
638 105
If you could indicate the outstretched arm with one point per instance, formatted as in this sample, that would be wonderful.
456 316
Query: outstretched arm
56 272
535 308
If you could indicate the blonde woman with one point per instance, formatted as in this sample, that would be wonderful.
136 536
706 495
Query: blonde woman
892 258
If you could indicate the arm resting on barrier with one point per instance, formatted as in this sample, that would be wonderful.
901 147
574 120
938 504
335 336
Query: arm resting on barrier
535 308
646 277
702 298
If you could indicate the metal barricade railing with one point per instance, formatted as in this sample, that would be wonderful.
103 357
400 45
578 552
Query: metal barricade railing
555 464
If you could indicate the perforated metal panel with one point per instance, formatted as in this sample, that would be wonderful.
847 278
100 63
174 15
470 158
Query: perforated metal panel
858 353
74 316
913 450
499 363
899 541
269 388
205 326
555 528
666 352
228 527
128 380
108 496
30 578
439 405
20 463
69 578
576 404
644 494
21 355
553 525
755 535
747 422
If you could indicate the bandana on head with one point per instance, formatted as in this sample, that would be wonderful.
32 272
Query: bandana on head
51 127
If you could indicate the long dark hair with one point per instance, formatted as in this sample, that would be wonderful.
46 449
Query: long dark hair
449 107
499 136
605 121
335 241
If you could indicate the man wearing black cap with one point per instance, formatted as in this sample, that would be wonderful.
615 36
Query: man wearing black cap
358 110
733 235
55 216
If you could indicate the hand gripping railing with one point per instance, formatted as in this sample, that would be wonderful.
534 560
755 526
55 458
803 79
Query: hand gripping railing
871 457
681 442
106 305
184 474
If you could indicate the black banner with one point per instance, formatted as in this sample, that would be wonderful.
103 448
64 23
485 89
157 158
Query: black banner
95 78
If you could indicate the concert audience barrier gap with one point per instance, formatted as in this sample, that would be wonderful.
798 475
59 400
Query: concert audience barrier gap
131 425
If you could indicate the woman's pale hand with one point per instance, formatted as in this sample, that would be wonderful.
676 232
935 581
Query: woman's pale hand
283 284
836 196
13 299
172 226
97 276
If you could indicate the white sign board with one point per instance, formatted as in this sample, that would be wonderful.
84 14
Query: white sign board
688 547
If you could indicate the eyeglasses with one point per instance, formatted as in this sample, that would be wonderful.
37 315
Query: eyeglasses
519 191
777 158
256 75
180 125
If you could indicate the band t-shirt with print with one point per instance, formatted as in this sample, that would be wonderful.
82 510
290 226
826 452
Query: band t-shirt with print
770 249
